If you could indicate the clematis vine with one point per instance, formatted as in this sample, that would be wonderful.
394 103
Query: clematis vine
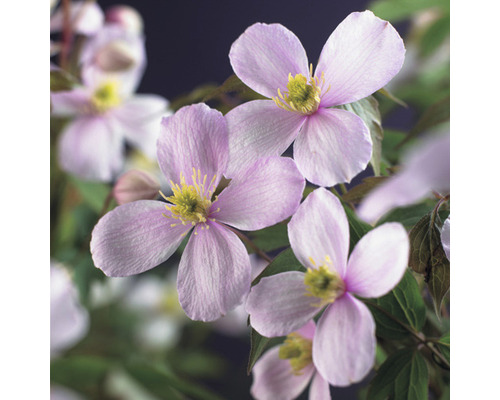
426 168
343 349
331 145
214 271
283 372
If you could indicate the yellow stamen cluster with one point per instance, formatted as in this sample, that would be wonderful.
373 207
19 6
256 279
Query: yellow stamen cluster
323 283
302 97
105 97
190 203
298 350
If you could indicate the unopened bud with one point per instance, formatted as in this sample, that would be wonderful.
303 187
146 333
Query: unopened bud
125 16
116 56
135 185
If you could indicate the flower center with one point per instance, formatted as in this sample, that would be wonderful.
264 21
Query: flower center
190 203
298 350
105 97
303 96
324 284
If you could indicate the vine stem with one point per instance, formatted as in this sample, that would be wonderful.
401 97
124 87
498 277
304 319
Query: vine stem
248 241
419 336
66 35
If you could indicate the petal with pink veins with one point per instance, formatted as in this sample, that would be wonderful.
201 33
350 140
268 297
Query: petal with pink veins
360 57
319 389
278 304
266 193
134 238
378 261
214 273
319 228
70 103
264 55
259 129
344 344
333 147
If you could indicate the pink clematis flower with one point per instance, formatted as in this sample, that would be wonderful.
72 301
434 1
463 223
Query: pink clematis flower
426 169
106 114
214 271
344 343
331 145
284 372
86 18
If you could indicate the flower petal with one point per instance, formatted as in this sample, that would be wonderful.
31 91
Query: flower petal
344 344
91 148
361 56
320 389
264 55
273 378
258 129
194 137
378 261
265 194
86 18
445 237
214 273
319 228
278 304
333 147
134 238
427 168
308 330
69 103
140 118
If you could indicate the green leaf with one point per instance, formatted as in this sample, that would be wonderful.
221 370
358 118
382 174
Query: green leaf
407 216
60 80
258 344
389 145
271 238
404 303
358 192
384 92
397 10
444 346
435 35
367 110
93 193
428 258
403 376
283 262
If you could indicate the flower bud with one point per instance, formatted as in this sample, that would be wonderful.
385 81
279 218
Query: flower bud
135 185
116 56
125 16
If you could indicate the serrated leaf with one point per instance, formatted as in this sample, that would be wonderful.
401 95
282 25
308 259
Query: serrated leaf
427 257
271 238
367 110
283 262
358 192
404 303
403 376
258 344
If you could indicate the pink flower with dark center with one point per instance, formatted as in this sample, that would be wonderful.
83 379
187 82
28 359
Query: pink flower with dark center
343 348
214 271
283 372
331 145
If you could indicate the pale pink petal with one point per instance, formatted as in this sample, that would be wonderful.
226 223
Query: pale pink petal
258 129
86 18
361 56
426 168
333 147
91 148
308 330
134 238
445 237
70 103
140 119
378 261
266 193
344 344
214 273
278 304
264 55
135 185
194 137
318 229
319 389
273 378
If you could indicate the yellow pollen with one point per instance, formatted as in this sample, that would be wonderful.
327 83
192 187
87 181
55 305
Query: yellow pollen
303 96
323 284
298 350
190 203
105 97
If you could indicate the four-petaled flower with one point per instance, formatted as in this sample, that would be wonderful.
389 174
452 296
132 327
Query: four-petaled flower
343 349
331 145
214 271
